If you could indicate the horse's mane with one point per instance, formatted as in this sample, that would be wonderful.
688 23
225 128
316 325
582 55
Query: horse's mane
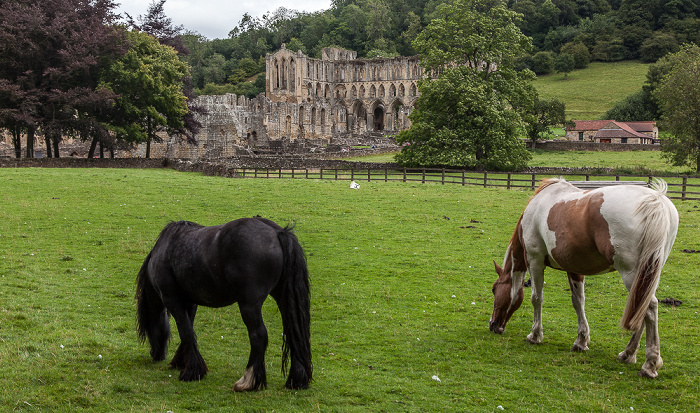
547 182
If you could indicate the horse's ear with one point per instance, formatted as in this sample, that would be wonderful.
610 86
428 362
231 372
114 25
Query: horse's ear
498 267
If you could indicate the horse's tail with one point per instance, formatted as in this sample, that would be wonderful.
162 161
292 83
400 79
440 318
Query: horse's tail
295 306
659 225
151 315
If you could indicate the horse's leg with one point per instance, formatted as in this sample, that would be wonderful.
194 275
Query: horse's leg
254 377
653 352
178 361
537 275
629 354
187 357
578 300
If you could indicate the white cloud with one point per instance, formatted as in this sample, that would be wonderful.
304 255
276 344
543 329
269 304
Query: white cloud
214 19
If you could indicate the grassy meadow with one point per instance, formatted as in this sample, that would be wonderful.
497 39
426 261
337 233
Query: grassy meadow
589 92
401 279
631 162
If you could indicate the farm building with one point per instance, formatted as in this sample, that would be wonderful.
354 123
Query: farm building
611 131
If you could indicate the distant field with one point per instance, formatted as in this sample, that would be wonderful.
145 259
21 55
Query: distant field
589 92
633 162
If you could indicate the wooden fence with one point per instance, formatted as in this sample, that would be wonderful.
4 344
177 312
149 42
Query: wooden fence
679 187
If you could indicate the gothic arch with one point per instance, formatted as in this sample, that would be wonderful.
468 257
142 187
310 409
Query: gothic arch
373 92
392 91
381 91
378 115
402 90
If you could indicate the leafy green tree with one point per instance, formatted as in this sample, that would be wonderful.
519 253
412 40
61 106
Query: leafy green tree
564 63
636 107
543 63
543 115
148 83
678 96
657 46
579 51
470 113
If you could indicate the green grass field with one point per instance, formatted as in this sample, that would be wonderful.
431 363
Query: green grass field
632 162
589 92
401 280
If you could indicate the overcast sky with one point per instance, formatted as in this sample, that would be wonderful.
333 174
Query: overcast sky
214 19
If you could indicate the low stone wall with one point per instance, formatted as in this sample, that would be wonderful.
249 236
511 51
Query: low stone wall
564 145
82 163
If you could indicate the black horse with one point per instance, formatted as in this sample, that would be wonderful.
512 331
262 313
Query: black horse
242 261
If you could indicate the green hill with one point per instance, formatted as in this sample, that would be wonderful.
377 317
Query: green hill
589 92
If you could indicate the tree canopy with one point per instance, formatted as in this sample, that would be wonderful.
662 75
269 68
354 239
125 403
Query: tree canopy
678 95
472 102
147 83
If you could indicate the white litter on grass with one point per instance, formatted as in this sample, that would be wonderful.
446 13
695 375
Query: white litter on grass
99 356
436 378
354 185
499 407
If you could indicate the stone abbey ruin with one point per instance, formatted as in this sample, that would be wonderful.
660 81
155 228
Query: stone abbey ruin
309 106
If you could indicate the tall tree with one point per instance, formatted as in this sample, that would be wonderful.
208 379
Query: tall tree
52 55
160 26
148 83
678 96
472 101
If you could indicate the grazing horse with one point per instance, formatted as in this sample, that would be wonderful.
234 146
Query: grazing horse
241 261
626 228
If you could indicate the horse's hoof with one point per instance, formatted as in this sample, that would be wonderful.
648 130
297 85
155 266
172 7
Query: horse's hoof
247 382
629 359
532 339
189 375
578 347
648 374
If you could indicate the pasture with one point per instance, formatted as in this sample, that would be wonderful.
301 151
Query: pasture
401 279
589 92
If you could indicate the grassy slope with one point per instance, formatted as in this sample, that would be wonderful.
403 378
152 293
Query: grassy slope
400 293
589 92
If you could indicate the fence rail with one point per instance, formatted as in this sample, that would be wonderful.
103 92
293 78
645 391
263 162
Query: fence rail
679 187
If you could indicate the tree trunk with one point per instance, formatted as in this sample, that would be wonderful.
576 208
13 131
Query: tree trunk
47 141
30 141
17 141
93 145
56 139
148 138
102 151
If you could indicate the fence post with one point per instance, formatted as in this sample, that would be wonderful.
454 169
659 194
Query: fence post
533 182
336 174
423 181
617 177
307 173
443 176
292 173
485 178
685 181
386 174
508 182
352 174
588 177
404 174
320 172
463 183
280 174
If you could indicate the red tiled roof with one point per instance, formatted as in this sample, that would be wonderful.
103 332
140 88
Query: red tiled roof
594 125
619 130
589 124
642 126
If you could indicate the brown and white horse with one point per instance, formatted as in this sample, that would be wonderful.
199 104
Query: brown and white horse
626 228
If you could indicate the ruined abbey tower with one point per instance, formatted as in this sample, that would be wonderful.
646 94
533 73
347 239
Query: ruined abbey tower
321 98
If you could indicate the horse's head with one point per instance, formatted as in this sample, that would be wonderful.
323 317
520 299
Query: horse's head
505 300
